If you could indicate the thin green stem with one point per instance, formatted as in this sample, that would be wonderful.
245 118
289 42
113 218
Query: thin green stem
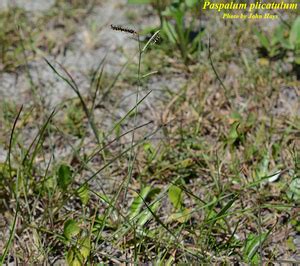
12 231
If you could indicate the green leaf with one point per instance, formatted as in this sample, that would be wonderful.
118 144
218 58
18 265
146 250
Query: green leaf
85 248
138 203
181 216
295 33
235 116
74 257
290 244
263 168
50 183
71 228
251 248
70 256
264 41
186 163
83 194
148 147
169 30
233 135
175 196
277 36
146 214
280 37
64 176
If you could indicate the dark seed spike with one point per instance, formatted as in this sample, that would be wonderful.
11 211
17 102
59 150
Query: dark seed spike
123 29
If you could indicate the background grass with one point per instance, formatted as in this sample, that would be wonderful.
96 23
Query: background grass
198 162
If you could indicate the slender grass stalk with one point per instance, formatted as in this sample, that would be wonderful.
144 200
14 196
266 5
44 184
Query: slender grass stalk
94 175
226 92
12 230
98 79
131 157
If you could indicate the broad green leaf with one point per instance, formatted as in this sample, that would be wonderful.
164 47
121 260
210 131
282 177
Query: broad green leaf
70 256
50 183
71 229
138 203
148 147
263 169
85 248
175 196
64 176
169 29
186 163
83 194
296 224
181 216
264 41
74 257
295 33
235 116
233 135
150 151
278 35
290 244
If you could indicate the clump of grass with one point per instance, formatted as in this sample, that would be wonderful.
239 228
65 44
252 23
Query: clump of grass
37 37
11 49
55 186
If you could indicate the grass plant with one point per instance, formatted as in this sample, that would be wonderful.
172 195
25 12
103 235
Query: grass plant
209 176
